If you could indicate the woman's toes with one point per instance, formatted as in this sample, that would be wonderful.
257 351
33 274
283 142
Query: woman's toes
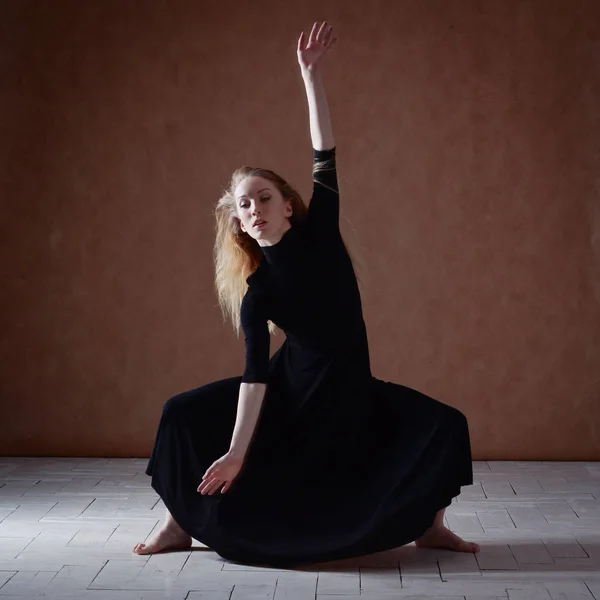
468 547
164 539
147 549
442 537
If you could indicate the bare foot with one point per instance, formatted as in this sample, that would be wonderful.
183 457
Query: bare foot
442 537
165 539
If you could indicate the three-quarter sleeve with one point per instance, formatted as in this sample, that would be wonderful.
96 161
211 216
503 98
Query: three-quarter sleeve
324 208
257 338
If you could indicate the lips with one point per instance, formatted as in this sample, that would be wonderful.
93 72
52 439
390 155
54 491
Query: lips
259 223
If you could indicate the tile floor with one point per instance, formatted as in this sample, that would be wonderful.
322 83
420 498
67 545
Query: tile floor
68 526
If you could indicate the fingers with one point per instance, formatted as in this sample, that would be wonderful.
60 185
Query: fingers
324 32
210 486
313 33
212 471
319 33
217 483
209 478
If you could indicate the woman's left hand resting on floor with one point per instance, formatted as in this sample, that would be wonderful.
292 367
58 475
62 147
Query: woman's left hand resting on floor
222 471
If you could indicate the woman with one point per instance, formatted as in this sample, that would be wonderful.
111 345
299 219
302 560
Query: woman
306 457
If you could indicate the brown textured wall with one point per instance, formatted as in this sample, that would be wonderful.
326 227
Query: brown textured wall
467 137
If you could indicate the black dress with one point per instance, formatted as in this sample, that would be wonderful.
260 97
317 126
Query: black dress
342 463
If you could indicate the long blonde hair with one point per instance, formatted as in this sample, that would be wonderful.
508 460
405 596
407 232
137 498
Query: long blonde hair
236 254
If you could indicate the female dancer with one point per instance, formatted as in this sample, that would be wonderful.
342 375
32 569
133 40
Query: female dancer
306 457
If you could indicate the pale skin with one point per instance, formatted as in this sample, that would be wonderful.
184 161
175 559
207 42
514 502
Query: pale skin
258 200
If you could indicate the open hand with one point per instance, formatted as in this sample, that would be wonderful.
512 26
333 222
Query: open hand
222 471
310 55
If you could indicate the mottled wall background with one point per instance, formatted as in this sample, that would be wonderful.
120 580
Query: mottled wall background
467 136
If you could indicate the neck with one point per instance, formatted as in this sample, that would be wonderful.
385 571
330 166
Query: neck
276 236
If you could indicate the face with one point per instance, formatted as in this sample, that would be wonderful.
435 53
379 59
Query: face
263 212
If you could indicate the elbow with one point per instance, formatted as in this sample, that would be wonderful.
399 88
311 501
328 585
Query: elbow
256 382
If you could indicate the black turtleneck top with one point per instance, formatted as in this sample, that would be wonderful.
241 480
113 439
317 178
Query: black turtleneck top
306 285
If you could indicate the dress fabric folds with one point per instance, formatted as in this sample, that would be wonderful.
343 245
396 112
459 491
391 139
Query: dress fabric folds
342 463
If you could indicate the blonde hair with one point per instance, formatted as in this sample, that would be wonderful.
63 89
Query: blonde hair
236 254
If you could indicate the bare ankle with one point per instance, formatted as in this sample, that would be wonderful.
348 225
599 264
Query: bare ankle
170 524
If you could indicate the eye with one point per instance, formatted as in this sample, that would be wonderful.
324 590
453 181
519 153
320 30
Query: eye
246 205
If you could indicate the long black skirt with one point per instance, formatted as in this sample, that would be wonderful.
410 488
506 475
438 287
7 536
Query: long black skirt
316 497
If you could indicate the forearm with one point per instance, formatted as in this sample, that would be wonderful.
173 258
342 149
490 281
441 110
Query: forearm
250 402
321 131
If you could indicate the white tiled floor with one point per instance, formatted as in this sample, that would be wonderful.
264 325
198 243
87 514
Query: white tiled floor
68 526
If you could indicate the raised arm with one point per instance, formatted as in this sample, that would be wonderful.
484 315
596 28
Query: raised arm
310 57
323 211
